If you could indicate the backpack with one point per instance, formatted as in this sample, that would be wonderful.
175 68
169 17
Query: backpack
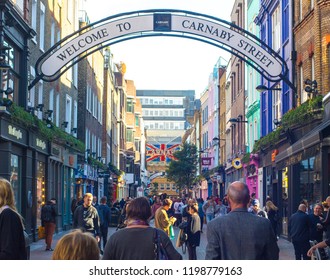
46 213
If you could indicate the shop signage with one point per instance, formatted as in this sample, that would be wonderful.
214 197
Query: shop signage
41 144
237 163
206 161
13 133
143 23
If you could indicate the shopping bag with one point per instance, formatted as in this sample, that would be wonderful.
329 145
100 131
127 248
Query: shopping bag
41 232
172 234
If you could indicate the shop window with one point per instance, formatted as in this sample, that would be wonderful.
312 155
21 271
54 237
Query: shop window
15 179
41 189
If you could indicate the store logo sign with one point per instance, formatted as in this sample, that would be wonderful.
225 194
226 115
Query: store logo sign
13 131
41 144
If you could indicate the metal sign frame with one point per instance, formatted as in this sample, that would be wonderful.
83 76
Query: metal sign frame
160 22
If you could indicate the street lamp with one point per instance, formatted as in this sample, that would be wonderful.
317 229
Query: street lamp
237 120
262 88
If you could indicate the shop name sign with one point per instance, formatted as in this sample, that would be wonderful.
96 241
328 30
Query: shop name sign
41 144
13 131
145 24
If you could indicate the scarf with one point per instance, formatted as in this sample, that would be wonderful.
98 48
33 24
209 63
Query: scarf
137 222
195 223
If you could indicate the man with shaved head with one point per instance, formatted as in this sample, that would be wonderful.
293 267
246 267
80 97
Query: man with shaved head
299 225
239 235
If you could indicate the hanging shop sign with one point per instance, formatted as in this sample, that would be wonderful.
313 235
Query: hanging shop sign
236 163
147 23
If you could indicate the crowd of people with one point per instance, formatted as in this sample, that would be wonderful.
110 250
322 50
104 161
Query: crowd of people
145 228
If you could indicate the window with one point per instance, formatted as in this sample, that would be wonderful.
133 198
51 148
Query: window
137 121
52 33
276 94
130 106
57 110
34 15
42 27
276 29
40 98
303 96
15 178
129 135
313 68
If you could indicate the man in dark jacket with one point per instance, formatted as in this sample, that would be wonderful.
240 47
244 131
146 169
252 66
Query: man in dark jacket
240 235
48 220
299 225
104 214
86 217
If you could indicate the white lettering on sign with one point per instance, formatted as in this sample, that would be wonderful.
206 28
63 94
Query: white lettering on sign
41 144
13 131
136 25
231 38
92 38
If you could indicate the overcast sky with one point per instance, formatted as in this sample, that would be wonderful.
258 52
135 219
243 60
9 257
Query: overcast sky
162 62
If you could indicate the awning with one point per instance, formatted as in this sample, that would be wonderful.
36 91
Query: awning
304 148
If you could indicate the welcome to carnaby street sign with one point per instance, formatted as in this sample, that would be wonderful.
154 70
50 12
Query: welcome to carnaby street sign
177 23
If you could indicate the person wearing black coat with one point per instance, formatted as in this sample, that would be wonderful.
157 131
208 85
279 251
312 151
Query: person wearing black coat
48 220
316 228
104 214
12 242
193 231
299 224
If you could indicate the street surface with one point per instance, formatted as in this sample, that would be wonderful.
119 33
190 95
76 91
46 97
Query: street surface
38 248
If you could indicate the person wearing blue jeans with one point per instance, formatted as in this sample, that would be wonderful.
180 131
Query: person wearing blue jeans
209 208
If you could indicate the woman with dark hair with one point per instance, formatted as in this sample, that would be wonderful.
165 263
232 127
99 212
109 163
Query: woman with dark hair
136 241
193 231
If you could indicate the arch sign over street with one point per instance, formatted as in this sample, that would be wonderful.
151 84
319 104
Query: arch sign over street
146 23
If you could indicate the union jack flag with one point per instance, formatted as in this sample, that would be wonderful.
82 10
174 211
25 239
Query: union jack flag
161 152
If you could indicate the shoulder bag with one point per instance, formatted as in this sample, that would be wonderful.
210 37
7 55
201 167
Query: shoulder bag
160 252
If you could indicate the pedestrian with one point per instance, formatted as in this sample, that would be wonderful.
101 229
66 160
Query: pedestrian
137 240
316 228
77 245
162 221
200 202
48 220
193 231
323 244
298 227
272 214
86 217
12 242
95 202
156 204
256 210
209 209
178 204
104 214
326 221
74 205
220 209
240 235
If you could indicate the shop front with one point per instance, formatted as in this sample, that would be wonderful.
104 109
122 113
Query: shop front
304 168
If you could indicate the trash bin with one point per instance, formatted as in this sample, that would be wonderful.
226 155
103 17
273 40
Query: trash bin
114 216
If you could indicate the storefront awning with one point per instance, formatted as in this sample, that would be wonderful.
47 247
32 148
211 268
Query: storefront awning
305 147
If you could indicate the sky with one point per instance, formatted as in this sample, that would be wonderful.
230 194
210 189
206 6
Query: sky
164 63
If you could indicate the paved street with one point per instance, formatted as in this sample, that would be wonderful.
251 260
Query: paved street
38 248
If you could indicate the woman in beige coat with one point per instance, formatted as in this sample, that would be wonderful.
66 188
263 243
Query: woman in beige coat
162 221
